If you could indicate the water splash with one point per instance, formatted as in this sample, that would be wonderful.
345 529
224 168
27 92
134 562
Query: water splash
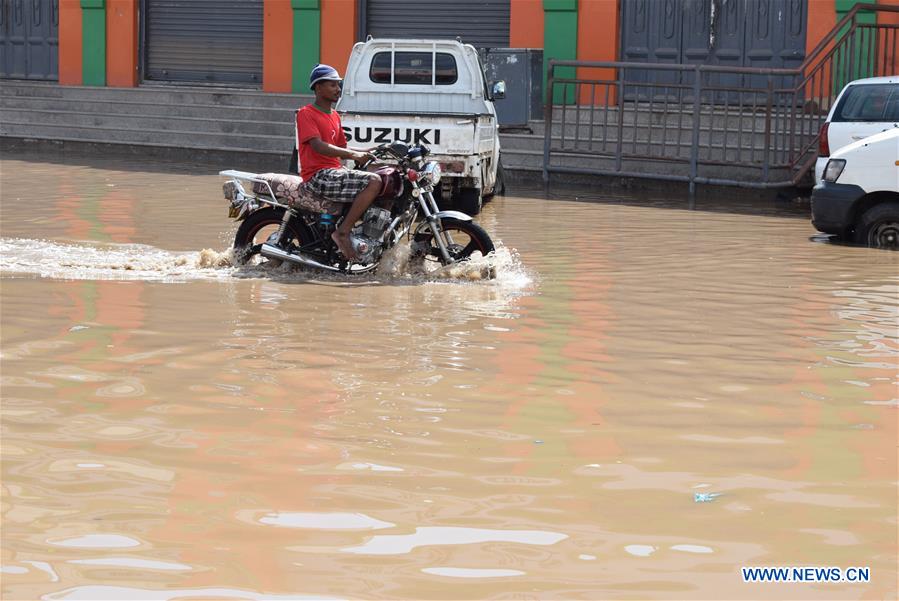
100 261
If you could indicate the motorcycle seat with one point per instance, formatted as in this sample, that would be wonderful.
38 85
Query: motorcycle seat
292 190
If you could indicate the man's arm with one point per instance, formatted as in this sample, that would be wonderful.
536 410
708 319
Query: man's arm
329 150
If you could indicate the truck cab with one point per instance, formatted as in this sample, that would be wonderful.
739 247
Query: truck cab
430 92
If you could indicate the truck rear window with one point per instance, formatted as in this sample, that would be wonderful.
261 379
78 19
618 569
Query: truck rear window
869 102
414 68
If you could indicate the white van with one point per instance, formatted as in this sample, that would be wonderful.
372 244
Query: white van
430 92
864 107
858 196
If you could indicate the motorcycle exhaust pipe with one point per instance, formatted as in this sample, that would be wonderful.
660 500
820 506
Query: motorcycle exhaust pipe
273 252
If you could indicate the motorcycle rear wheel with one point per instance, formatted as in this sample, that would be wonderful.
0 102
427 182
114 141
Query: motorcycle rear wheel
255 230
469 241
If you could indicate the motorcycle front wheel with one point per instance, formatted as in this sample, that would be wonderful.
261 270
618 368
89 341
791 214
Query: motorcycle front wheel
255 230
469 240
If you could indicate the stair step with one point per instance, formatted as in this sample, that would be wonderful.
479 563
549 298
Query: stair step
199 140
146 123
167 95
708 142
135 107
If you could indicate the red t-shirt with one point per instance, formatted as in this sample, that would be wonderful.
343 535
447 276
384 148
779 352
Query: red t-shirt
312 122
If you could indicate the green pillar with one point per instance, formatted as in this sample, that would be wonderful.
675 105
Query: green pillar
859 61
306 42
560 42
93 42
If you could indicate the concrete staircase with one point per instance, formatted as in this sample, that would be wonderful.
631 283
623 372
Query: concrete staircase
160 120
254 130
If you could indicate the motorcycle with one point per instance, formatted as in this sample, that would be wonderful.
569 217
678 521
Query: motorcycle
284 221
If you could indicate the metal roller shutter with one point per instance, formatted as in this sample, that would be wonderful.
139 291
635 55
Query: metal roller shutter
212 41
482 23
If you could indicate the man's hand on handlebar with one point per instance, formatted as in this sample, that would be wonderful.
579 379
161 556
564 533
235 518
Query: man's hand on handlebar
362 158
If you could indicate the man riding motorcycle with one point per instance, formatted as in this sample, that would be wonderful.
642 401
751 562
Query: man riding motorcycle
321 144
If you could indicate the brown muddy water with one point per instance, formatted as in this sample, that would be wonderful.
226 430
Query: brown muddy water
645 400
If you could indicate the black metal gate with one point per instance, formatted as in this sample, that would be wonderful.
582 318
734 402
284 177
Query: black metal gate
482 23
728 33
203 41
29 39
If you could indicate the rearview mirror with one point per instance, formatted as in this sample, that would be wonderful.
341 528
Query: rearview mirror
498 92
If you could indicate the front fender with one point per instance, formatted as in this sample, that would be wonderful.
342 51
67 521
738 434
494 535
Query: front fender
459 215
425 227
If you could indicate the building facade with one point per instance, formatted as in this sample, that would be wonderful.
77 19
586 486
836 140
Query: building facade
273 44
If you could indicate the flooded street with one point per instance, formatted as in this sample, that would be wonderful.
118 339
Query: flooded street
646 399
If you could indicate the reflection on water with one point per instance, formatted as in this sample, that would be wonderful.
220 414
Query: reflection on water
399 544
644 400
100 541
471 572
324 521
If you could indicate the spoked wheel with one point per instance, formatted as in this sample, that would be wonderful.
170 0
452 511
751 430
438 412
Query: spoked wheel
468 241
879 226
255 230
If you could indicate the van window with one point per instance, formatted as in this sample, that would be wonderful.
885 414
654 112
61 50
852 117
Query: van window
414 68
869 102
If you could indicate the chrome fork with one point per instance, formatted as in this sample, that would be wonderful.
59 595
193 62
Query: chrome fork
429 208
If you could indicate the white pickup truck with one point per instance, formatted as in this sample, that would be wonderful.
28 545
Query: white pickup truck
430 92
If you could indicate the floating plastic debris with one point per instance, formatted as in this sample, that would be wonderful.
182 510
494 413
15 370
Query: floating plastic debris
705 497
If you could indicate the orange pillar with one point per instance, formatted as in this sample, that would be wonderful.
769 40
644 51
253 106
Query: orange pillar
70 42
526 24
597 40
887 51
822 16
121 43
338 32
277 46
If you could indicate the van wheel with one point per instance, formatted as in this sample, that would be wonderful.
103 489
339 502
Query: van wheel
879 226
499 187
468 200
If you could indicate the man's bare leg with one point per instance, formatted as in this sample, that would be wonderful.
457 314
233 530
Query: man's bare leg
363 200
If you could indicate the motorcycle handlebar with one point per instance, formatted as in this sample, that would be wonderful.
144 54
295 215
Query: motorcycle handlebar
388 151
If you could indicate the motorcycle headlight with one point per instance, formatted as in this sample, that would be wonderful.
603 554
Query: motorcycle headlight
834 169
432 172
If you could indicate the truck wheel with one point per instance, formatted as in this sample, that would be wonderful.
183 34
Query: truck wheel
438 194
879 226
468 200
499 187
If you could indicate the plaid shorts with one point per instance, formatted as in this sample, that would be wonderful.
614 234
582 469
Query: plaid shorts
339 185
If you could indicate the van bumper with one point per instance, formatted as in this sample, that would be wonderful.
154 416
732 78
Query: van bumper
833 206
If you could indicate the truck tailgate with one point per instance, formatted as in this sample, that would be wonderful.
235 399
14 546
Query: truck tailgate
443 134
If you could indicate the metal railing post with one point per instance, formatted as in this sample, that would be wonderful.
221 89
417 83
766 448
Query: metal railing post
548 121
766 153
619 144
694 149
